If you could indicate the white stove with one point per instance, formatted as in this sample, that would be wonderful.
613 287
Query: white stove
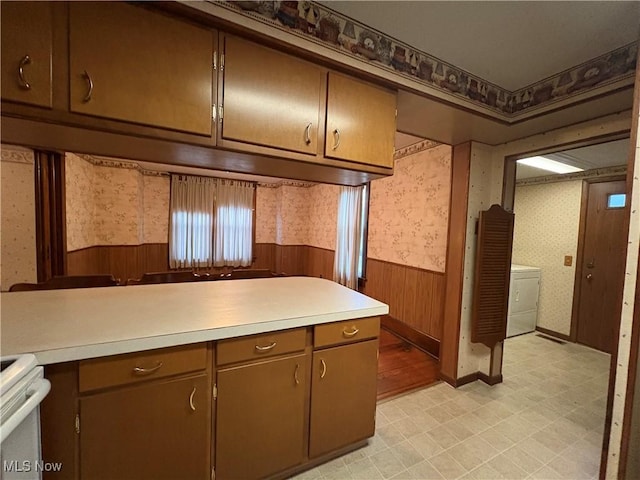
22 388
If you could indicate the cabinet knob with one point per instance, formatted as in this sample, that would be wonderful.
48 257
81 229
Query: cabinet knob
307 132
336 137
26 60
266 348
147 371
191 404
87 77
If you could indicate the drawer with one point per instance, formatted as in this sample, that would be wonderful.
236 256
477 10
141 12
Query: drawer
255 347
135 367
346 332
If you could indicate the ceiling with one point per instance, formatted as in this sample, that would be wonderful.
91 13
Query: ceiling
608 154
509 43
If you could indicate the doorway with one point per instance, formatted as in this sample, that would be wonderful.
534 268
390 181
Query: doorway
600 269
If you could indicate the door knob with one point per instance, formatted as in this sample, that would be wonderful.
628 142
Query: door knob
589 276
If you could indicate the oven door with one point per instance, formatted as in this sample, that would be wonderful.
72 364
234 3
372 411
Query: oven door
20 453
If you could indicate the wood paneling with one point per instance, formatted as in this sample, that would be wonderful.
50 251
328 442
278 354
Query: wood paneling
460 170
320 262
415 296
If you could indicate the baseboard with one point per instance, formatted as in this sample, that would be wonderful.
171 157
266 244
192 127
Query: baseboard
458 382
490 380
411 335
551 333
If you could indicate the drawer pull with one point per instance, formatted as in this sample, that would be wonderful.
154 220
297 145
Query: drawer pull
26 60
87 97
295 374
350 334
307 137
265 348
147 371
336 136
191 405
324 368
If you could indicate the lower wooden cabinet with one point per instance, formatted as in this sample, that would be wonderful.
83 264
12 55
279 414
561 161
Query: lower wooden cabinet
260 418
158 430
343 396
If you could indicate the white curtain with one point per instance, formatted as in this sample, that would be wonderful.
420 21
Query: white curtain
191 221
233 223
345 267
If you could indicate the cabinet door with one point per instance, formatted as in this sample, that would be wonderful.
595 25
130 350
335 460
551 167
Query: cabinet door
361 122
160 430
270 99
260 421
343 396
26 52
127 63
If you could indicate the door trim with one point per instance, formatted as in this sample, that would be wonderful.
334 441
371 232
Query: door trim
573 332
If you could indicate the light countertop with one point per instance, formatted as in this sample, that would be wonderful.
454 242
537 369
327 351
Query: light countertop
64 325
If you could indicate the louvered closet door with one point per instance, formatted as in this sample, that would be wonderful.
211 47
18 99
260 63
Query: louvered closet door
491 284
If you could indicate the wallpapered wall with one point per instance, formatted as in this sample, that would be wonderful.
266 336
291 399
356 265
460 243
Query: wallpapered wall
546 229
18 234
409 211
114 205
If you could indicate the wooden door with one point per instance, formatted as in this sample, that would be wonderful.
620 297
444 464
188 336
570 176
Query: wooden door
343 396
128 63
361 122
26 52
260 418
149 431
269 98
602 272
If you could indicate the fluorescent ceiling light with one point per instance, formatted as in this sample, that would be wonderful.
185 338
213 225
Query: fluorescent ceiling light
549 165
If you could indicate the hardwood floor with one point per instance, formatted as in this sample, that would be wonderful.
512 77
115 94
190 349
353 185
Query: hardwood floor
402 367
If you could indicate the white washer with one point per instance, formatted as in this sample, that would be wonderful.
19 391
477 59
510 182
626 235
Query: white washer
524 289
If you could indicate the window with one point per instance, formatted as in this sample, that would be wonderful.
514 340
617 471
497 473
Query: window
350 237
211 222
616 200
364 224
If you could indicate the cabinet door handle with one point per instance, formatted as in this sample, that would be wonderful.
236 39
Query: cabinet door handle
266 348
191 404
307 133
87 77
324 368
295 374
350 334
336 136
26 60
147 371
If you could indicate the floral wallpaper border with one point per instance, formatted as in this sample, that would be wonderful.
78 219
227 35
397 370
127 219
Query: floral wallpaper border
286 183
593 173
327 27
16 155
105 162
414 148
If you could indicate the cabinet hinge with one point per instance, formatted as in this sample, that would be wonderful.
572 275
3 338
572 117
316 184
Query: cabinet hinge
77 423
221 112
213 112
222 62
215 60
213 473
396 113
215 391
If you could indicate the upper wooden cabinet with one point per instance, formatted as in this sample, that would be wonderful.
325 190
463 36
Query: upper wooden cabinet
27 52
270 98
128 63
361 122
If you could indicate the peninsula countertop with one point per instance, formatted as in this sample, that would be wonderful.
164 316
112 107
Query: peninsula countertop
65 325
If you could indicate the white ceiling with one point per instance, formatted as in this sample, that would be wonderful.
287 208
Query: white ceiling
608 154
512 43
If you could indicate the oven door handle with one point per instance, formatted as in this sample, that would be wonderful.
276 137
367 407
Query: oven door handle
37 391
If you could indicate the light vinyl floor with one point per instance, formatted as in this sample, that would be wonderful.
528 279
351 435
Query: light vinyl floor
545 421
